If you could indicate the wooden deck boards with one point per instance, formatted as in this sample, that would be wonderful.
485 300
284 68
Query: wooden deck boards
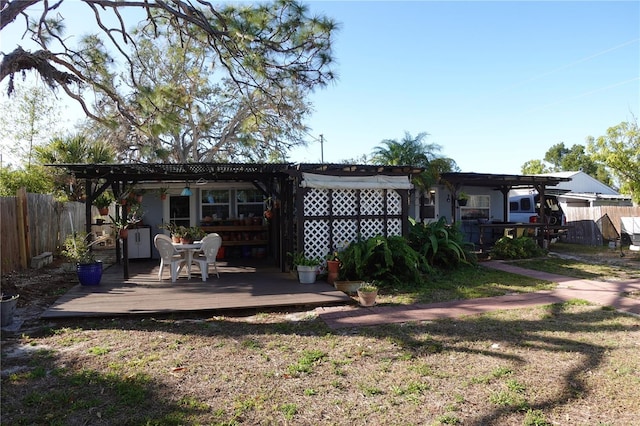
239 287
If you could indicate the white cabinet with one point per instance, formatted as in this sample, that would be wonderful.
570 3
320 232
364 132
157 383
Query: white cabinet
139 243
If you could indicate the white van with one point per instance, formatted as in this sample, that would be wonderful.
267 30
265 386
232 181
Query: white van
526 209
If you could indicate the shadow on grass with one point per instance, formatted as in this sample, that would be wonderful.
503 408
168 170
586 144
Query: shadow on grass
82 391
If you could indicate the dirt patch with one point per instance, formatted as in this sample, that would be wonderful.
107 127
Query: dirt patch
38 289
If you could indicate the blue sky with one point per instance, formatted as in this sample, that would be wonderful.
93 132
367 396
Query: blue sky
494 83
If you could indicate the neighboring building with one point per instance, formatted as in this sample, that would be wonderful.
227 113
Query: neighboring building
586 191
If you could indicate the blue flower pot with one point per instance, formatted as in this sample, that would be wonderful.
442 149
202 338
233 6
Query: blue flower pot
89 273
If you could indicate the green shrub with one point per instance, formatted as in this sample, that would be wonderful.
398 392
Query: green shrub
516 248
386 260
441 244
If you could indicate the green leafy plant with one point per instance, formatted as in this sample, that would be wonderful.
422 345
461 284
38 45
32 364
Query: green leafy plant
195 233
180 231
441 244
387 260
122 222
77 247
299 259
169 226
516 248
104 200
368 288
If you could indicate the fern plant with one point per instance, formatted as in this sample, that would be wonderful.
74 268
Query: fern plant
441 244
387 260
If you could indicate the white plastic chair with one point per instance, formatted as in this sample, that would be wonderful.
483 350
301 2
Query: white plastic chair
169 256
207 254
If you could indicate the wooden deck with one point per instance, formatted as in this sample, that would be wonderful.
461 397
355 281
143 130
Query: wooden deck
240 286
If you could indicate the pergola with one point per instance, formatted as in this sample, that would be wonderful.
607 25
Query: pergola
272 179
503 183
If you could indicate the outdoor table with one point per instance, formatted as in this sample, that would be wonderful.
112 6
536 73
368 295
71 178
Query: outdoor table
188 250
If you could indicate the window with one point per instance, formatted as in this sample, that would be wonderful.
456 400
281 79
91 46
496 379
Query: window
215 203
250 203
179 213
478 207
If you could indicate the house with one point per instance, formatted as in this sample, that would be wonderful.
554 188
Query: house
584 190
259 209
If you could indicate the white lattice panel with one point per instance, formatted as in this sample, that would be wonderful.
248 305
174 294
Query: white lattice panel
316 202
394 203
316 238
344 231
371 228
371 202
394 227
344 202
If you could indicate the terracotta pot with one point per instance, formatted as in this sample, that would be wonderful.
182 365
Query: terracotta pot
103 211
332 271
367 298
124 234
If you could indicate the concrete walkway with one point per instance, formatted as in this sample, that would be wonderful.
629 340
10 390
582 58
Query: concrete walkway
604 293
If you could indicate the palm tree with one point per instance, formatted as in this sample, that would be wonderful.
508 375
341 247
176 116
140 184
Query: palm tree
412 151
73 150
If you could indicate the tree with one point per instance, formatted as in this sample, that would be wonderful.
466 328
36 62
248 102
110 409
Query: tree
619 151
36 180
75 149
28 121
412 151
559 158
534 167
263 50
185 113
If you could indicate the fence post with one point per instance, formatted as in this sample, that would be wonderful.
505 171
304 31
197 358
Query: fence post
23 227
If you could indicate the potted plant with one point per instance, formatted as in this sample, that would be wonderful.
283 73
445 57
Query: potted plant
333 267
122 223
77 249
163 191
353 261
307 267
367 294
179 233
463 198
173 229
103 201
195 233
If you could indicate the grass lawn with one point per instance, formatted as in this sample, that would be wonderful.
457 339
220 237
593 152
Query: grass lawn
569 364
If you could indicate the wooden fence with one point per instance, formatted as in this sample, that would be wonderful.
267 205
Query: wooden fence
595 226
31 224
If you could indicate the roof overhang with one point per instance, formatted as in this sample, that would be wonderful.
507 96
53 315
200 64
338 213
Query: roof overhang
149 172
500 181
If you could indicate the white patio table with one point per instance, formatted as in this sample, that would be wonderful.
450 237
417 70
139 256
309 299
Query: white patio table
188 250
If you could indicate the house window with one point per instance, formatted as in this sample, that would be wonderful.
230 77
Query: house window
478 207
250 203
232 203
215 203
179 211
